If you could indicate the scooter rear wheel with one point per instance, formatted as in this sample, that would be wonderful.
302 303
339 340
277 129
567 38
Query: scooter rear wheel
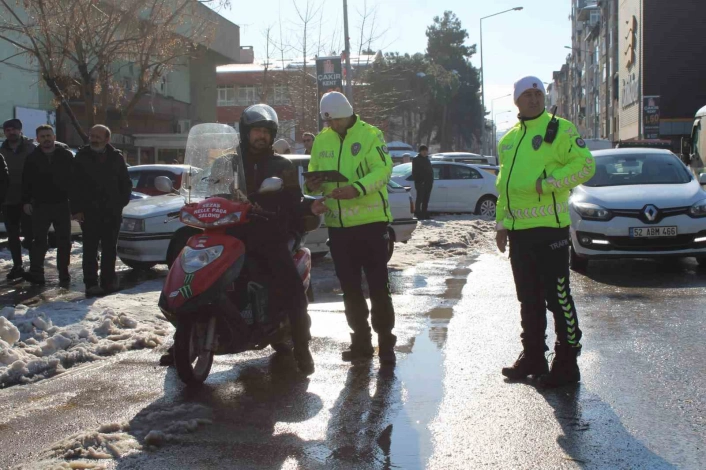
192 358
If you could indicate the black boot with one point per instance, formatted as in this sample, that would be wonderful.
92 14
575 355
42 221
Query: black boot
386 348
17 272
564 369
302 355
530 362
34 278
361 348
167 359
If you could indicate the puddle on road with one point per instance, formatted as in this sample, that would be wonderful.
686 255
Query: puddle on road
422 375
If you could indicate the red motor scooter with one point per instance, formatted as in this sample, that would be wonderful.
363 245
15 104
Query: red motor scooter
210 295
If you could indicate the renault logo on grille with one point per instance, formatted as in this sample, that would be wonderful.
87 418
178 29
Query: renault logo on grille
650 212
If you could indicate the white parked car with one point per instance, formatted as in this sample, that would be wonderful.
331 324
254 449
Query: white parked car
464 157
458 187
641 203
151 232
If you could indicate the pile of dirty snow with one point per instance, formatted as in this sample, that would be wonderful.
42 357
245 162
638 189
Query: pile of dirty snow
49 261
447 236
36 343
153 427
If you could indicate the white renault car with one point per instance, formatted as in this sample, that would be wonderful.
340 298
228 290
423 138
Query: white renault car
641 203
152 234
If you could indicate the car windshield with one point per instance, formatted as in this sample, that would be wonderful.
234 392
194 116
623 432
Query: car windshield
635 168
392 184
401 170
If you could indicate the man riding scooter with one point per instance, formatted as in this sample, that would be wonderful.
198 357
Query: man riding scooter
268 242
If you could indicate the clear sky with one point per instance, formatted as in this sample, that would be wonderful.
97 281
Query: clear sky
518 43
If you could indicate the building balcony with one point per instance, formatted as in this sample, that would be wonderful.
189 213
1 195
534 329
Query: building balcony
585 9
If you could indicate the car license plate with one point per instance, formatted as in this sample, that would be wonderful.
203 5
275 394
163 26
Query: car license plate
650 232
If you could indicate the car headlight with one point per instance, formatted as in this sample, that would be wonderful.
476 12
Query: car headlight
132 225
698 209
590 211
192 260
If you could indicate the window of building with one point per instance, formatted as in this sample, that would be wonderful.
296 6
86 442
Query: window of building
280 97
595 17
287 130
247 95
226 95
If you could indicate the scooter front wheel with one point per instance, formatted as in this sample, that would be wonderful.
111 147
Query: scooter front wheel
193 350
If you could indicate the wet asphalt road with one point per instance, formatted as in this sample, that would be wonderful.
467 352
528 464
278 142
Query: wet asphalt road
641 403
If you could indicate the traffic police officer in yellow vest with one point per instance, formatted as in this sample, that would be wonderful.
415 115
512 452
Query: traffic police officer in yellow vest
541 159
357 220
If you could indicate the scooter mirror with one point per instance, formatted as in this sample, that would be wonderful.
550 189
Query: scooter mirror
271 185
163 184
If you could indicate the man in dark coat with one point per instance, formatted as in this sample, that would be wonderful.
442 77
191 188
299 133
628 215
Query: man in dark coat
103 187
46 182
14 151
423 176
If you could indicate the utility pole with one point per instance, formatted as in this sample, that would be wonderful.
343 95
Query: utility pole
349 88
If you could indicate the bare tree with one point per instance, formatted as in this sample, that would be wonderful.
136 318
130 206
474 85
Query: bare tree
84 50
306 15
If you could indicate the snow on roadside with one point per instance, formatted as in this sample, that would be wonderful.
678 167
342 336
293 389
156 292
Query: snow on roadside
447 236
49 261
37 343
153 427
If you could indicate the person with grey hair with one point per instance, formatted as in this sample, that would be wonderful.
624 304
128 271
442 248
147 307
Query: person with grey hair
14 151
46 182
102 188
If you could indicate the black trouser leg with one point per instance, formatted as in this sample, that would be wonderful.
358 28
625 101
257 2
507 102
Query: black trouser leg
13 220
42 217
109 247
27 227
420 189
91 237
347 260
373 251
540 262
62 230
530 292
427 195
287 288
555 275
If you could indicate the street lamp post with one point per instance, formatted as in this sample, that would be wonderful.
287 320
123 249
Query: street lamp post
349 87
492 107
495 133
482 72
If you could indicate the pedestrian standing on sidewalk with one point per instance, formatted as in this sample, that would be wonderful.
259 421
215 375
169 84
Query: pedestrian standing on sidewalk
423 176
542 159
357 220
46 181
103 187
15 150
308 141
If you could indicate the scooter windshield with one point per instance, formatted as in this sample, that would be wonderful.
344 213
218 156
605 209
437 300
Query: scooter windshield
216 167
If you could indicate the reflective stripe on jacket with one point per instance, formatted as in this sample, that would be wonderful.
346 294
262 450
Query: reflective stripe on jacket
363 158
525 158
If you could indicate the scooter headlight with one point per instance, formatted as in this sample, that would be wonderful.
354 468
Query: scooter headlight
192 260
